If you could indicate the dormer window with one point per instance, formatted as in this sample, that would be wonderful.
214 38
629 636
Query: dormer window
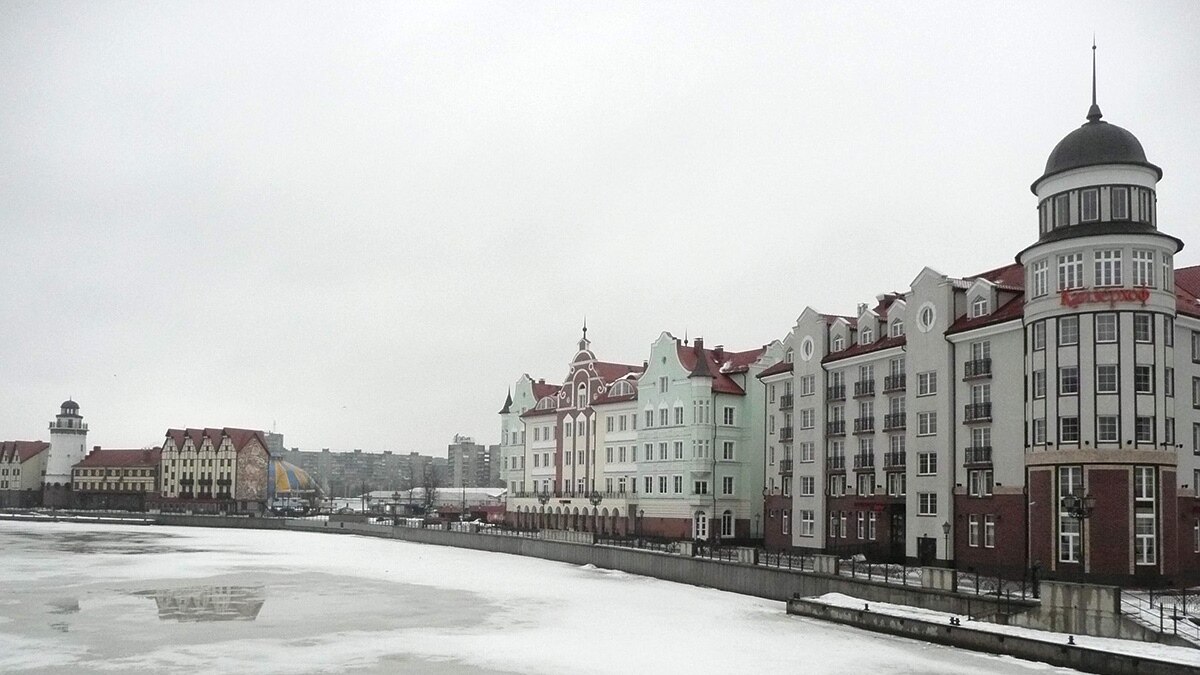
1090 205
979 307
839 343
787 356
866 337
621 388
896 328
1120 203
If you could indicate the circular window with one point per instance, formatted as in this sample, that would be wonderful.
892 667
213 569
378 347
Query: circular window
806 348
926 317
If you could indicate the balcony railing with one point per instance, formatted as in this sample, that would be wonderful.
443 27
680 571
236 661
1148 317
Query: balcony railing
894 421
837 463
786 433
835 428
785 466
836 393
893 460
786 401
977 368
864 425
980 454
977 412
864 388
864 461
894 383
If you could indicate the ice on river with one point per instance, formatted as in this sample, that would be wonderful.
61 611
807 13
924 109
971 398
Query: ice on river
101 598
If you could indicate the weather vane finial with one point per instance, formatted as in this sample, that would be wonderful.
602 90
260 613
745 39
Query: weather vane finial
1094 113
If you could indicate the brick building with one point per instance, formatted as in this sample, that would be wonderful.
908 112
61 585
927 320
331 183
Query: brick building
116 479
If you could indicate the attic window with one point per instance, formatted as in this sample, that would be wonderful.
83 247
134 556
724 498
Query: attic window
787 357
621 388
866 337
979 307
896 328
547 403
839 343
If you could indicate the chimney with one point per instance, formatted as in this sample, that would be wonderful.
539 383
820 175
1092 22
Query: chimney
862 307
719 352
698 345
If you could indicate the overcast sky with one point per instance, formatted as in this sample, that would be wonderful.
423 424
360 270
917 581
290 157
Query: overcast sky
359 223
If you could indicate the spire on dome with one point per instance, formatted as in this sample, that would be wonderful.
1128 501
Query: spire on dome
1094 113
583 341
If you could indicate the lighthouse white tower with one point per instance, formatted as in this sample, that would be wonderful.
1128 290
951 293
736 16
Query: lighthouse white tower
68 439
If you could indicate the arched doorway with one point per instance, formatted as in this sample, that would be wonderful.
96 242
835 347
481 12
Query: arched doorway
700 525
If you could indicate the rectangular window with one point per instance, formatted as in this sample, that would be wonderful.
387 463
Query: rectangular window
807 451
1039 335
1169 382
1168 331
927 504
649 452
1062 211
973 530
1039 384
664 417
1039 278
1120 203
679 415
808 417
727 486
927 383
979 483
808 385
1068 380
662 485
727 418
1070 271
1143 268
1089 205
1106 328
1039 432
1108 267
808 486
1068 429
1143 327
1070 483
989 531
926 463
1143 379
871 526
1068 331
1143 429
662 450
1107 429
1144 547
861 530
700 487
677 484
926 423
842 518
649 418
726 450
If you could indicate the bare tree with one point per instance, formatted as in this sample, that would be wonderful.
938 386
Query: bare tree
431 480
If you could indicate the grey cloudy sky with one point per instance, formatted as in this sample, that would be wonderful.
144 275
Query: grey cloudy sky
362 222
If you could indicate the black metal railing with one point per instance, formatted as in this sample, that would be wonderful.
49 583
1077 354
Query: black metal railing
894 383
864 425
979 454
836 463
785 433
864 461
785 466
864 388
977 412
977 368
786 401
836 393
835 428
894 460
895 421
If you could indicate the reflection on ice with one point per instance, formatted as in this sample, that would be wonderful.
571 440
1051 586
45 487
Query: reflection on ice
208 603
64 606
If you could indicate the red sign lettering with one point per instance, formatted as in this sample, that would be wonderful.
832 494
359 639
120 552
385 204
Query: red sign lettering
1106 296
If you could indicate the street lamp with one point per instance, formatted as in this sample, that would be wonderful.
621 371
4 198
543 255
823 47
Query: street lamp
1080 508
946 539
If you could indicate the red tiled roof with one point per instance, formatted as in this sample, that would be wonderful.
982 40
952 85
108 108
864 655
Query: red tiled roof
239 437
21 450
856 349
611 372
1009 311
605 398
781 367
542 390
147 457
717 367
538 412
832 319
1010 277
1188 278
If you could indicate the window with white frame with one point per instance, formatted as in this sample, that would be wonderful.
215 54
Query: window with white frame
727 450
1089 205
1068 331
896 484
861 528
927 383
979 482
1106 328
973 530
1143 268
896 328
727 416
926 463
989 531
1143 429
1144 515
807 451
1108 267
664 416
979 306
1143 379
678 415
1107 429
927 504
1168 280
1070 271
678 446
1068 429
1038 335
808 385
1039 384
839 343
1143 327
808 486
1068 380
1169 382
1062 210
1039 278
727 485
866 337
786 525
1038 431
1070 483
808 418
926 423
1119 199
808 523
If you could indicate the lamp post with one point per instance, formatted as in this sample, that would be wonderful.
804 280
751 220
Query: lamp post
946 540
1080 508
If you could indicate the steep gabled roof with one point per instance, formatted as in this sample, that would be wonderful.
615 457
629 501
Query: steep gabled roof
1009 311
1009 277
611 372
146 457
239 437
703 362
781 367
21 451
541 390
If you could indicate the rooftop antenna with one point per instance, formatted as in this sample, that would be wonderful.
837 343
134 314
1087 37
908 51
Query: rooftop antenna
1094 114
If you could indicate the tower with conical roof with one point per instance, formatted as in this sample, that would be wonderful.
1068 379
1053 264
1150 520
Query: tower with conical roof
68 443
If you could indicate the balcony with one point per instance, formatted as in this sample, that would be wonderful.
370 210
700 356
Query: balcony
836 392
224 481
785 467
894 460
864 388
894 383
786 433
895 421
864 425
835 428
864 461
977 368
837 463
786 401
977 412
980 454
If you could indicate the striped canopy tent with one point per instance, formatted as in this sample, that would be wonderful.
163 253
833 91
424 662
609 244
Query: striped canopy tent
288 480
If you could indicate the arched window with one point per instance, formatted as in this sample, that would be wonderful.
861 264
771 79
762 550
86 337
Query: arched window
839 343
700 525
546 403
896 328
866 337
621 388
581 397
727 524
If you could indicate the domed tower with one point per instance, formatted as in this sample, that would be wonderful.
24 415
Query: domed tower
1099 358
68 440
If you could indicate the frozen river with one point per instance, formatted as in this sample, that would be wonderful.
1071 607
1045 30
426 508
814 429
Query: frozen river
95 598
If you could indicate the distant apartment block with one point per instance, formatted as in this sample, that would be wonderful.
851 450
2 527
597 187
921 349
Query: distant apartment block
472 464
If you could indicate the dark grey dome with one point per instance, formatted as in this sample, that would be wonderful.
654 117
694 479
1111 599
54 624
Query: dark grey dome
70 404
1095 143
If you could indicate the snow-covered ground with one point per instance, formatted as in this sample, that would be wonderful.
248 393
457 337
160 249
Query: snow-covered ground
100 598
